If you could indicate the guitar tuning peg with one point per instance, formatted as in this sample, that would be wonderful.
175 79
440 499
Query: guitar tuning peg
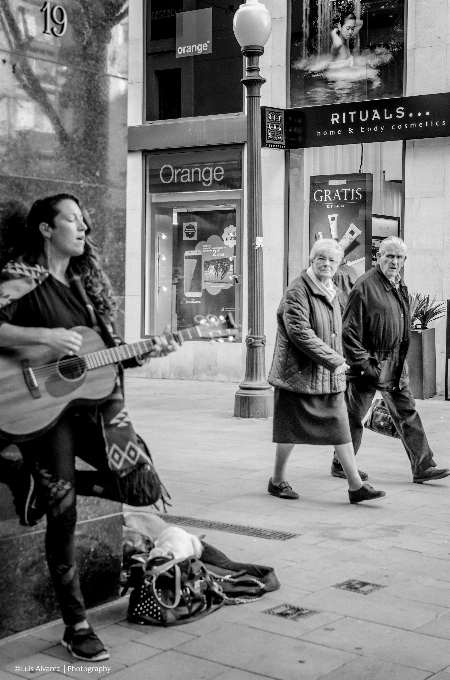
221 317
230 339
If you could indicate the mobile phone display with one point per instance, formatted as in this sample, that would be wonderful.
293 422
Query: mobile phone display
193 273
218 270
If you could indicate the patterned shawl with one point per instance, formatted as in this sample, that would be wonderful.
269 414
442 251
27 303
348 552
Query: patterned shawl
17 279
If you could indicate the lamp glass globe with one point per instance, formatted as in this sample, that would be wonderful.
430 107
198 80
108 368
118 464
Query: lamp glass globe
252 24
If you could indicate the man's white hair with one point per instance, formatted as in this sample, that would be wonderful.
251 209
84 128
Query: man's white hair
392 241
325 244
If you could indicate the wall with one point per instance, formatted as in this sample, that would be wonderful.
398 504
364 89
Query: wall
63 129
274 205
427 165
62 114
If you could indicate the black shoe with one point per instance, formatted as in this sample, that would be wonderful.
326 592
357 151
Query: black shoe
365 493
337 471
283 490
430 474
84 644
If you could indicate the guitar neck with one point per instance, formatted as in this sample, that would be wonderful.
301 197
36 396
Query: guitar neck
114 355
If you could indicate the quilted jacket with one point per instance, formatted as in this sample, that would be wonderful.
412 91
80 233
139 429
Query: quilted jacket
308 347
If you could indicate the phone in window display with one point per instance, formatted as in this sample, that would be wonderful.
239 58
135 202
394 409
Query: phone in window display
193 273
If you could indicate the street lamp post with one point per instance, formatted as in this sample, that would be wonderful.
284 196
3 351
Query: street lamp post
254 398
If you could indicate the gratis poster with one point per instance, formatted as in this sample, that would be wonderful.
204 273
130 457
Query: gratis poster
340 207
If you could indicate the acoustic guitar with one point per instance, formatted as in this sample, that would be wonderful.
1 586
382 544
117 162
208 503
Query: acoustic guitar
37 385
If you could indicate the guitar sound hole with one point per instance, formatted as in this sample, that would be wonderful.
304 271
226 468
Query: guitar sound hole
71 368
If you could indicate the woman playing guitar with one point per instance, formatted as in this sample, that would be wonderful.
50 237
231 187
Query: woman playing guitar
40 302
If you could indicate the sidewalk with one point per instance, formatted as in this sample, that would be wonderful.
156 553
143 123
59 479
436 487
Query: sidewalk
216 468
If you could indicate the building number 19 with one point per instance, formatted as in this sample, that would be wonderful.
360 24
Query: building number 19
54 15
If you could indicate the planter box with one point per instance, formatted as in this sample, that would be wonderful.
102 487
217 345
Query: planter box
422 363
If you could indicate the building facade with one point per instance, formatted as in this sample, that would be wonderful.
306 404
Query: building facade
370 163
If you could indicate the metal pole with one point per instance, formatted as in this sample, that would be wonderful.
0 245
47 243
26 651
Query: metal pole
254 398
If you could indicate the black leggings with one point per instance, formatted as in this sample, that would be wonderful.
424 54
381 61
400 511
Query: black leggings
76 434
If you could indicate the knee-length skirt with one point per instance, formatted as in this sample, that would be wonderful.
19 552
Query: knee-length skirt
310 418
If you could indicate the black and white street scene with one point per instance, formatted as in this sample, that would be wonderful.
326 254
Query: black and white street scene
224 339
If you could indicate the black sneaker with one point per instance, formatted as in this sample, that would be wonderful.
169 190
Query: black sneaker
365 493
337 471
84 644
283 490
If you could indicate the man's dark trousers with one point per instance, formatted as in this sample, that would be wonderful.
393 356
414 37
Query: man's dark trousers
402 408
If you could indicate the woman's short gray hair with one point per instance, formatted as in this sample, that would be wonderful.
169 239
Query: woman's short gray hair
325 244
392 241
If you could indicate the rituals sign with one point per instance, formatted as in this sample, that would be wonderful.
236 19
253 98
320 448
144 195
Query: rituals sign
379 120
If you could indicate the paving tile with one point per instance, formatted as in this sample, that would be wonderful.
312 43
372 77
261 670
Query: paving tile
52 633
378 607
266 653
161 638
439 627
282 626
171 665
21 647
234 674
385 642
363 668
129 653
9 676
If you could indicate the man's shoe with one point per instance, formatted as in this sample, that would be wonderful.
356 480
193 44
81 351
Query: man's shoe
283 490
337 471
84 644
365 493
430 474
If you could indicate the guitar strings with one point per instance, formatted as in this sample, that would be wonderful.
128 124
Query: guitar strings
76 362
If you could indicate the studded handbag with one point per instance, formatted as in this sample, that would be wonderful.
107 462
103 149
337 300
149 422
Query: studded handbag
379 420
172 592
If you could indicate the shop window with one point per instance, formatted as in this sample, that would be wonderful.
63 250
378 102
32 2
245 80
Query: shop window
196 265
209 81
169 91
193 237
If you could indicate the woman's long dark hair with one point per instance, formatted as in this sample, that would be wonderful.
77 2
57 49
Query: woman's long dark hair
27 240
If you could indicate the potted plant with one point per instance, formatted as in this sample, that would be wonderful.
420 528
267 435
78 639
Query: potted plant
422 350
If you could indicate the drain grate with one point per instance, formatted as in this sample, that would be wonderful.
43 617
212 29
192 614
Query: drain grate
229 528
288 611
356 586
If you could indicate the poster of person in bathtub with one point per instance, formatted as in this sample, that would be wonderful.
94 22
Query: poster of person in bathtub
345 51
340 207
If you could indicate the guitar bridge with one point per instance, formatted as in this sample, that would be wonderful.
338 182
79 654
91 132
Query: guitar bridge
30 379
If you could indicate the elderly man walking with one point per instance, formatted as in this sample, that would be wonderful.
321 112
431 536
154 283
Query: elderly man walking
376 335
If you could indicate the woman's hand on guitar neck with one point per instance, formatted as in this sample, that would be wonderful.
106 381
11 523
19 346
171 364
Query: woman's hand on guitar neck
62 340
162 346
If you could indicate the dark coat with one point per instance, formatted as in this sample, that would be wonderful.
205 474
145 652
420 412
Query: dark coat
376 332
308 346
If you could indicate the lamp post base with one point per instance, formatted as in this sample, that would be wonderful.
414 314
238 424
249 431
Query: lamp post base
253 403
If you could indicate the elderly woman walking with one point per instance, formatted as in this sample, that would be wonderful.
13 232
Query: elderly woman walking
308 373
